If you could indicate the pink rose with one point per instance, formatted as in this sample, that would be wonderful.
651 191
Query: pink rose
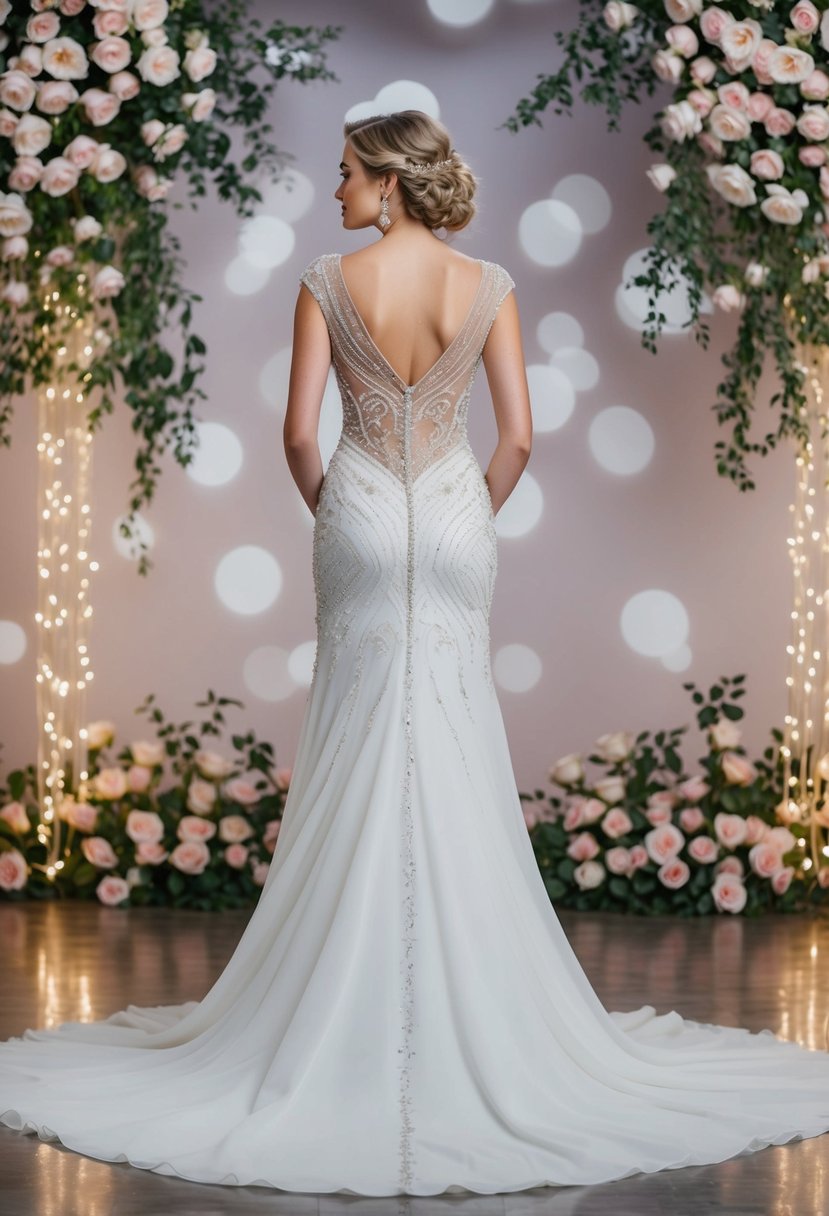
55 96
86 228
729 893
703 849
100 107
734 94
673 874
236 856
259 872
824 182
150 853
779 122
813 123
823 877
124 85
282 777
108 165
758 106
271 834
234 828
110 784
190 857
8 122
59 176
610 790
213 765
816 86
199 63
702 100
144 827
737 770
572 817
201 105
730 829
43 26
667 66
782 837
241 791
617 823
812 156
781 881
804 17
790 65
760 62
65 59
583 847
107 282
15 293
111 54
79 815
765 859
14 814
657 815
703 70
112 890
714 22
191 827
17 90
729 124
663 843
159 65
756 829
149 14
201 797
592 809
691 819
731 865
139 778
61 255
683 40
149 753
31 135
14 247
81 151
25 174
530 816
767 165
724 733
664 798
618 861
110 22
638 856
14 871
99 852
714 147
693 789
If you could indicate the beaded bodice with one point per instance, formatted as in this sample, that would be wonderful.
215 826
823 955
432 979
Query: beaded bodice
405 427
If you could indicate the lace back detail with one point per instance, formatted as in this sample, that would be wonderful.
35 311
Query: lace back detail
373 394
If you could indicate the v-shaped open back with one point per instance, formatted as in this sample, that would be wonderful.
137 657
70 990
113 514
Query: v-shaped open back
358 316
406 427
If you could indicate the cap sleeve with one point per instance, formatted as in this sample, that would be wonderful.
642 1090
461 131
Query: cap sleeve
314 279
504 284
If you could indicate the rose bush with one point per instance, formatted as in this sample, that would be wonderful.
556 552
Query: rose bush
199 835
648 838
744 169
102 106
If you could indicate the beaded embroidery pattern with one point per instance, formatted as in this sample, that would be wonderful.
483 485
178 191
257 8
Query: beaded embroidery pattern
404 558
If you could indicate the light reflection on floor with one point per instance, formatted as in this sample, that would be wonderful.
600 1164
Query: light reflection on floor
82 961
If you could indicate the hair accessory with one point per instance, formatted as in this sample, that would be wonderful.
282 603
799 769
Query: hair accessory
384 219
428 168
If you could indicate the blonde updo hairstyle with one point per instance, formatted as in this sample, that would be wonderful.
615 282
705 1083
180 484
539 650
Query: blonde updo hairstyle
397 143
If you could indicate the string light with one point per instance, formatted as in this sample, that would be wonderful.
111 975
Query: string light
63 674
805 746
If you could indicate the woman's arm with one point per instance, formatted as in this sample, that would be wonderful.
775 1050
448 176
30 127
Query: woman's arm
506 374
310 361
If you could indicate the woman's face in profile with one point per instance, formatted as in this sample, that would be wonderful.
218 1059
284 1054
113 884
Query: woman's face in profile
359 194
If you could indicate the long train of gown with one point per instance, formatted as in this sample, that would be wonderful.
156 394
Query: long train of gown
403 1013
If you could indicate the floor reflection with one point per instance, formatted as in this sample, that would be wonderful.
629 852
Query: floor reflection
81 962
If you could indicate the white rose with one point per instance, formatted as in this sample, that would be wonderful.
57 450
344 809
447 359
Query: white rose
8 122
124 85
16 294
728 298
111 54
668 66
728 123
661 176
157 37
568 770
148 753
147 14
200 105
199 63
733 183
59 176
614 747
30 60
107 282
618 15
589 874
56 96
610 789
784 206
152 130
17 90
171 142
65 59
14 248
85 229
680 120
790 65
159 65
756 274
100 106
15 217
31 135
739 41
26 173
683 10
99 734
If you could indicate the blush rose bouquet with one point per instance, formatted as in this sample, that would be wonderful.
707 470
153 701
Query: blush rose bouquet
743 139
165 821
648 838
104 104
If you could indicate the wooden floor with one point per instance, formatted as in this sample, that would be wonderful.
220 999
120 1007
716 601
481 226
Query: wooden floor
83 961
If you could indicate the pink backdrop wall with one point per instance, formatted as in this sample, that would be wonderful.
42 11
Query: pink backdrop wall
576 543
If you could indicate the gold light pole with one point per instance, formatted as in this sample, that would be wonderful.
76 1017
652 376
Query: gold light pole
64 566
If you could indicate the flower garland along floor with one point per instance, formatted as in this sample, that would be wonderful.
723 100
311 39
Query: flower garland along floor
647 837
644 836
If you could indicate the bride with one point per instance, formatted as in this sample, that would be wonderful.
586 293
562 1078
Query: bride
403 1013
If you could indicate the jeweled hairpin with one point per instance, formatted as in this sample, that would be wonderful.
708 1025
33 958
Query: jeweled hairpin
429 167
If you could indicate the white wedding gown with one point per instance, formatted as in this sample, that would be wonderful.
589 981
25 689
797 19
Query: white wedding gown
403 1013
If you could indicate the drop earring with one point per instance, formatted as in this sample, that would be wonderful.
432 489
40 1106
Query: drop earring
384 220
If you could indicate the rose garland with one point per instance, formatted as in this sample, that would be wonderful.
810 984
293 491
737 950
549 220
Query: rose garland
200 836
101 105
745 176
648 838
